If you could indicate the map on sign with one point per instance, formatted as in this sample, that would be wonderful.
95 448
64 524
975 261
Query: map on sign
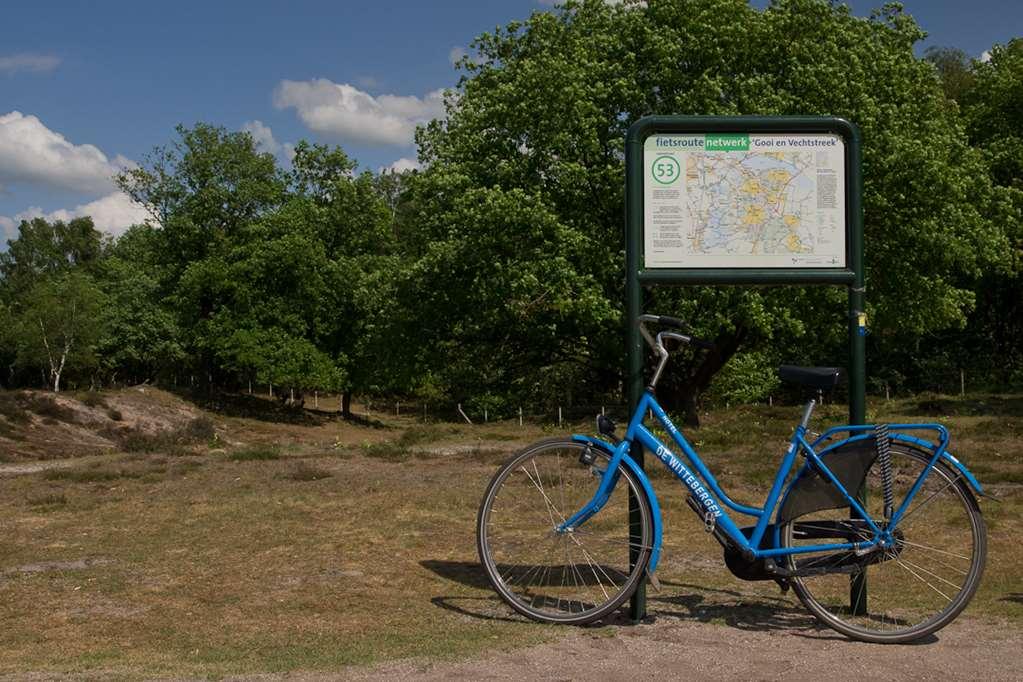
727 200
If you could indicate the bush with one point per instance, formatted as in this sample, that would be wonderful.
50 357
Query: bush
12 409
47 406
93 399
256 452
747 378
198 430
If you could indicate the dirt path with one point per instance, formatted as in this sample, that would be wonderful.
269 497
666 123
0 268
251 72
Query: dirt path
677 649
34 467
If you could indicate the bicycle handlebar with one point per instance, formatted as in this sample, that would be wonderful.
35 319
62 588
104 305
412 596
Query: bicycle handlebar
674 322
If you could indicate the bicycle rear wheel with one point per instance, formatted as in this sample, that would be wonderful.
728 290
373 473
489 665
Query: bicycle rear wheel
910 590
574 577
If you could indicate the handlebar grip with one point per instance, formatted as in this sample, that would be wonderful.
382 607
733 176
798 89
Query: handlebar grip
671 322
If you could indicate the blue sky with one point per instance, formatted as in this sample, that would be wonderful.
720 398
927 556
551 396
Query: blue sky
86 88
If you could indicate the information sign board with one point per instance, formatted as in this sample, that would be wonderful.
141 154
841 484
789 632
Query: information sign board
744 200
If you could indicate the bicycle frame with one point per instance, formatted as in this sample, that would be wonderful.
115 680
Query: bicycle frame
706 490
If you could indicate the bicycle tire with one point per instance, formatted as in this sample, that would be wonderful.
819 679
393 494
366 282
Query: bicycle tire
522 554
901 599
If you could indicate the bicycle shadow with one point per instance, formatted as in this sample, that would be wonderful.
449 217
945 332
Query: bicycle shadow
734 609
754 612
491 607
469 573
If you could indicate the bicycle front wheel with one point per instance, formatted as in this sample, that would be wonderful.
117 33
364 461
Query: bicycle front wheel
911 589
576 576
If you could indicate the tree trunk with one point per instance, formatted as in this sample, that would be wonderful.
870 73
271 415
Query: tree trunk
725 346
346 404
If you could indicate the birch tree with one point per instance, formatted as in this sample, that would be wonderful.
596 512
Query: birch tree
59 325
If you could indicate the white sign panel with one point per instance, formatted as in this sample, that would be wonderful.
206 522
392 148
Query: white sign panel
736 200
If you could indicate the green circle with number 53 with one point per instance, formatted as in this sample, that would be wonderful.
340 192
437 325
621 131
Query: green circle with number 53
665 169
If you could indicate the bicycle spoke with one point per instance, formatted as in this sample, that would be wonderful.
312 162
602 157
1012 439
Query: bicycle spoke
930 573
627 543
914 586
924 581
934 549
547 500
569 576
910 512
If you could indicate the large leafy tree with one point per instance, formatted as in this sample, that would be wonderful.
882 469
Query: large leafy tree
543 109
352 217
206 190
271 275
141 337
44 248
992 107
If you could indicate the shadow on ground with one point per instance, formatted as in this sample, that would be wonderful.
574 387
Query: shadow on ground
698 604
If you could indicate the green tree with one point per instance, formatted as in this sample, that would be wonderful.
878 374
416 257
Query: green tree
993 111
43 248
59 324
41 251
140 335
353 217
954 69
206 189
544 106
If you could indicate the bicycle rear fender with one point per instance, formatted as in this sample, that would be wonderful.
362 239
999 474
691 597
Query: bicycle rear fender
946 457
655 509
807 492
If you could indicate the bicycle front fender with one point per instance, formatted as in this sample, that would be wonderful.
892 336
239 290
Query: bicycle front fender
655 509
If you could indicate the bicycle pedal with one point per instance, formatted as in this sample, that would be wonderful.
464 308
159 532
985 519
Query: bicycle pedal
654 582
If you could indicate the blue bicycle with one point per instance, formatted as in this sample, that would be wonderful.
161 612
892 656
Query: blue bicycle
871 505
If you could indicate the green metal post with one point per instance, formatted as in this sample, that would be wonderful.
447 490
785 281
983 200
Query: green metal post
857 343
634 342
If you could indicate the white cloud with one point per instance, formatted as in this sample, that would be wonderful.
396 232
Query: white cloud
265 141
33 63
112 214
32 153
985 56
456 53
343 111
400 166
8 229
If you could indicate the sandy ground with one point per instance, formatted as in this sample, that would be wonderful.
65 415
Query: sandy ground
676 649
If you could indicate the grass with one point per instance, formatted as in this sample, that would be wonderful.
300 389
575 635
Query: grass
279 559
303 471
92 399
197 430
46 499
19 406
256 452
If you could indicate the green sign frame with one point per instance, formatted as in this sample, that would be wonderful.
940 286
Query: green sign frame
851 274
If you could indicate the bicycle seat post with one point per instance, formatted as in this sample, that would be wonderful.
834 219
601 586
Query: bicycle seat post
807 413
